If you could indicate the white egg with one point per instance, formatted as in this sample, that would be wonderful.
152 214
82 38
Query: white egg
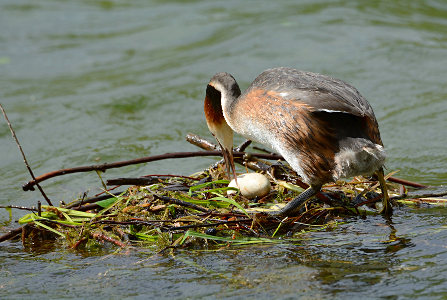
251 185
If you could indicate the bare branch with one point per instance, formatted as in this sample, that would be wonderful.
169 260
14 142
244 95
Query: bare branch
29 185
23 155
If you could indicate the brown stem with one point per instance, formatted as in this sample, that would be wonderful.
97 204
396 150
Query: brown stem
12 233
207 145
170 175
133 181
87 207
19 207
406 182
182 203
200 142
29 185
416 196
91 200
100 236
76 245
23 155
207 224
251 163
144 180
137 222
242 146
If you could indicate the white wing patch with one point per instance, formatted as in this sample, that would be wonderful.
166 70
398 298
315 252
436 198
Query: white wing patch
330 110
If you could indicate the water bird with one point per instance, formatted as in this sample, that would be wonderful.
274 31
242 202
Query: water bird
322 126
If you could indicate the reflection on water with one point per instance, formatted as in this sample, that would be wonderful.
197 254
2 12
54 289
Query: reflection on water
90 81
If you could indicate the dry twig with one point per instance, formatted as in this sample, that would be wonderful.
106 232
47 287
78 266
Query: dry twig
30 185
23 155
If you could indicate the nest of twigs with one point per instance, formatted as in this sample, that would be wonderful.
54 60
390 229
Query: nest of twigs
167 212
195 211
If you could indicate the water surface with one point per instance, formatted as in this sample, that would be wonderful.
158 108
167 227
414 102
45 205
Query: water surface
88 82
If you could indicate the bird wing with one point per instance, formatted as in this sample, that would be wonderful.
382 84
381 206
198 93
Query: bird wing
318 92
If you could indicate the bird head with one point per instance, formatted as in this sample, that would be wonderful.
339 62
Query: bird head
221 91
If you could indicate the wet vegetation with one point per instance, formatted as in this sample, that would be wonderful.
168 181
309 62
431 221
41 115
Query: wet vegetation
169 212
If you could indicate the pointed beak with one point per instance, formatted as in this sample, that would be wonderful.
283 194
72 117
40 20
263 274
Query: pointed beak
229 162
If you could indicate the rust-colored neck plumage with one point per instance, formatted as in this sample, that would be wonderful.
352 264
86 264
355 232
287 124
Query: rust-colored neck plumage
213 106
221 92
216 95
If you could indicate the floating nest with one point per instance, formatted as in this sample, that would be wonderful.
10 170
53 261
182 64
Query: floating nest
195 211
168 212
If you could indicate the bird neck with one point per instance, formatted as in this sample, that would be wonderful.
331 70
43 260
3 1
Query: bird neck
214 113
227 102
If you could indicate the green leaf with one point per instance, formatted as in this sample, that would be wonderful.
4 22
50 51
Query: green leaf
239 241
48 228
204 202
67 217
231 201
73 217
200 186
71 212
107 202
289 186
116 200
30 217
142 236
145 237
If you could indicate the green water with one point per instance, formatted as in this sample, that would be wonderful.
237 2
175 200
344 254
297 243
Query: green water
88 82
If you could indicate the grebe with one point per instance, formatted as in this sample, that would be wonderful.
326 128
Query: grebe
322 126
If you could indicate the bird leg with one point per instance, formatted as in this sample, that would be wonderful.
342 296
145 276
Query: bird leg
229 161
387 210
296 203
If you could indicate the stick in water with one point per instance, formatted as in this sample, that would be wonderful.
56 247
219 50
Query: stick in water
23 155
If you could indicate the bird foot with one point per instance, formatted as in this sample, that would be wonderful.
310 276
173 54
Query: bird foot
295 205
387 209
